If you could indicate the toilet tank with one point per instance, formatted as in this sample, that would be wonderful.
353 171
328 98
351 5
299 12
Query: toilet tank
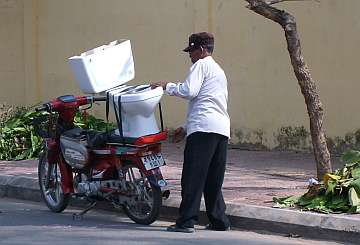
104 67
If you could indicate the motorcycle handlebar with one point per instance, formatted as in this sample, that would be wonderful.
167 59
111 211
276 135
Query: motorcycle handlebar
56 104
44 107
102 98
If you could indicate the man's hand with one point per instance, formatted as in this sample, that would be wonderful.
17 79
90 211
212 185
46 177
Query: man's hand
179 135
159 84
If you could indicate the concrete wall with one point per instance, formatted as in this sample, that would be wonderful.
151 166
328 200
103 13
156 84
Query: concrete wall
266 106
12 52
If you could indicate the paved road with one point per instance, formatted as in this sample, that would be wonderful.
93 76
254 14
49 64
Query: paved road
30 223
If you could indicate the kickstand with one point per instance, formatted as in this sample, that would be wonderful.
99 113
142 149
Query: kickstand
79 216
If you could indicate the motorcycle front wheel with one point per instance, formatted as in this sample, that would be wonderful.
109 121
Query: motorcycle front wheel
145 203
50 185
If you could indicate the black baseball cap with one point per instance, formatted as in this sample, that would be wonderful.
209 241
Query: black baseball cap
204 39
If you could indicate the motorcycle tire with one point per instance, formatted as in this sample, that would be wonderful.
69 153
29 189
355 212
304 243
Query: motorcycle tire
146 207
53 196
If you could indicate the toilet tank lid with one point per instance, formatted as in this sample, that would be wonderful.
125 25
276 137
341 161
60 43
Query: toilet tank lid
104 67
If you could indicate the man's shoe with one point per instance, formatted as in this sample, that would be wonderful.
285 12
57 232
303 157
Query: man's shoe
177 228
214 228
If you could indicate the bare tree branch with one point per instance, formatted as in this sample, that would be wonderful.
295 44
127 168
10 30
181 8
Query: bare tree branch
305 81
271 2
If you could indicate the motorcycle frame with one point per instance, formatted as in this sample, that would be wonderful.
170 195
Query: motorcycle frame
142 146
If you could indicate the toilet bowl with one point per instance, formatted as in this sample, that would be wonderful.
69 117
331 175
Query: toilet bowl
138 104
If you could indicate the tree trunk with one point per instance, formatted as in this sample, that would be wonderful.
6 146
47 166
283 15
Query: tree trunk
305 81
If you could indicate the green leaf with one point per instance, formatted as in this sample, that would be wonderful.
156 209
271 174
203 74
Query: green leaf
304 200
338 203
346 182
354 198
351 157
19 129
334 176
34 141
5 129
331 186
29 114
21 156
355 173
285 202
18 139
317 202
354 210
356 185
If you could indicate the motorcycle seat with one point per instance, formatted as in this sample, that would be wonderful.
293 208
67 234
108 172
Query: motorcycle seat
96 139
75 133
117 139
140 141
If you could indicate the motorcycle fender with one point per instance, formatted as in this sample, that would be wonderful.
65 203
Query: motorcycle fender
52 149
156 179
66 177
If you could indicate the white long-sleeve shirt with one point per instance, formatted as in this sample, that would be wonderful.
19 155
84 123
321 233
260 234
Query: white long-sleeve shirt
206 89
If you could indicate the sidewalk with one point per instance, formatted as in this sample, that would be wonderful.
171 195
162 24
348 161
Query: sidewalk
252 179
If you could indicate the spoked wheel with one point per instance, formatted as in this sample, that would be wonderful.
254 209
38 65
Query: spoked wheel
51 192
144 205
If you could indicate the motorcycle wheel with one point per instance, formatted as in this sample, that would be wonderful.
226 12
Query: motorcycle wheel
53 196
144 207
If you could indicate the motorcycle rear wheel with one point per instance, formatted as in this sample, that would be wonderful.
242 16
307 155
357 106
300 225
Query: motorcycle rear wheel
145 206
53 196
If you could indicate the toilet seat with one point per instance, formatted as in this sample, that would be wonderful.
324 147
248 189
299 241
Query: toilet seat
137 93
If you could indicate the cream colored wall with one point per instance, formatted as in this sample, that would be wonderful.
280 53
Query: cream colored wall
37 36
11 52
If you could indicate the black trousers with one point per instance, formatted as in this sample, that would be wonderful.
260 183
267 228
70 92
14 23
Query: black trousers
203 172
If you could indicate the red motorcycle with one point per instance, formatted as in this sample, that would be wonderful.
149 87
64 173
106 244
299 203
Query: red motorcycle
98 165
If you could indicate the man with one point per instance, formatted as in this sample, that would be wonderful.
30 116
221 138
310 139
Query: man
207 129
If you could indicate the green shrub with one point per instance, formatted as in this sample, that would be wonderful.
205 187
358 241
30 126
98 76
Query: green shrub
337 192
18 139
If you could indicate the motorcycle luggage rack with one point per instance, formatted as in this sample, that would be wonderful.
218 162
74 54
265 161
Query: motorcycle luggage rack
141 141
119 119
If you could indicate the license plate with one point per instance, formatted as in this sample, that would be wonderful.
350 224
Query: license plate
153 161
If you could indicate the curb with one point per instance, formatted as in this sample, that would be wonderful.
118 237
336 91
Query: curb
339 227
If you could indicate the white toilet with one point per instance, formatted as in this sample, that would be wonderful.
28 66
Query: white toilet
138 105
106 69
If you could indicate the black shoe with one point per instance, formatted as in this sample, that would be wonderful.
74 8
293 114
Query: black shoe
177 228
214 228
